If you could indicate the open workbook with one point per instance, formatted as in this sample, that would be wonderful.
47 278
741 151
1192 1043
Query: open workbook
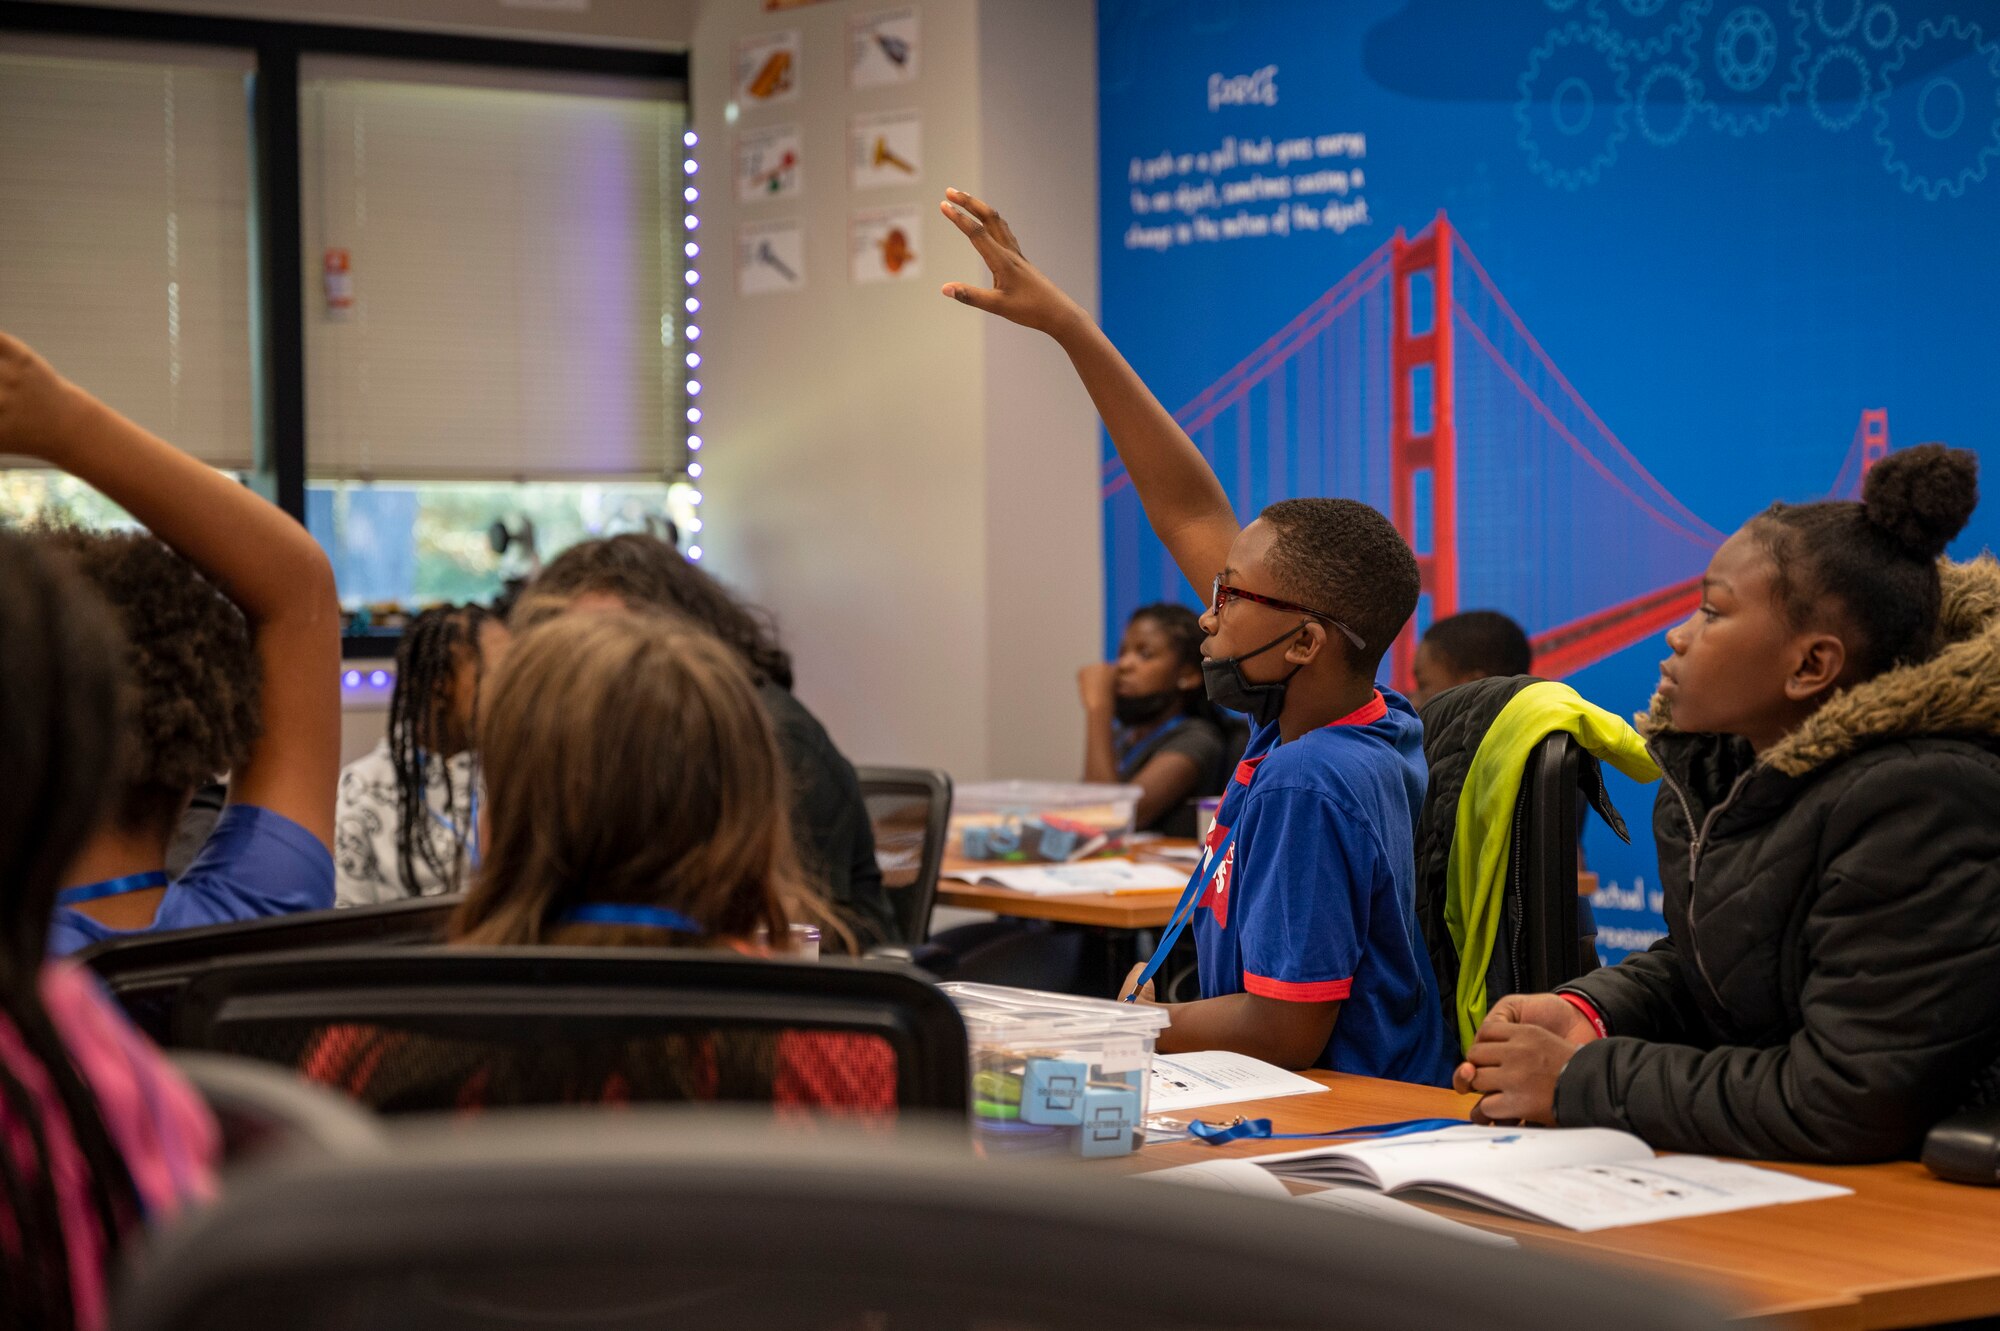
1580 1178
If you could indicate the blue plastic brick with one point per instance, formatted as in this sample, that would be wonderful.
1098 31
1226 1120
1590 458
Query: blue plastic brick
1052 1092
1110 1119
1058 843
975 843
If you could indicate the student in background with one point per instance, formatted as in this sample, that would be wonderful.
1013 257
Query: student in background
249 682
1829 728
634 799
1148 721
100 1133
406 823
1306 932
835 837
1478 644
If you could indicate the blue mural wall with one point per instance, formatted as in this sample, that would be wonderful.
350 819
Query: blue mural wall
1697 255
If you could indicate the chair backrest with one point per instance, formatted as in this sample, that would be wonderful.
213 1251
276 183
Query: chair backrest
910 808
263 1109
654 1219
147 971
448 1027
1543 875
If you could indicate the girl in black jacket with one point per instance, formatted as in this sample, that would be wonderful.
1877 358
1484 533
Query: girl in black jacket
1829 837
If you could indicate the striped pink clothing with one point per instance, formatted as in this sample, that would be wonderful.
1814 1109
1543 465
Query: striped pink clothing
156 1120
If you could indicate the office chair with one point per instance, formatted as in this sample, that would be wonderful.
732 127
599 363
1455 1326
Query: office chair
910 808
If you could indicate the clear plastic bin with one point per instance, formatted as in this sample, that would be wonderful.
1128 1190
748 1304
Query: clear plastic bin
1030 822
1054 1074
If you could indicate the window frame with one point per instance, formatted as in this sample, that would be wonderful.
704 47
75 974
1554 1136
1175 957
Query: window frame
277 276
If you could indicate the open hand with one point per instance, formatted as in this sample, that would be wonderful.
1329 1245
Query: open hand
1020 293
1097 684
35 402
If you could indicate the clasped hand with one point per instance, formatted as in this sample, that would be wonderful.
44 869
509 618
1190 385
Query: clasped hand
1517 1056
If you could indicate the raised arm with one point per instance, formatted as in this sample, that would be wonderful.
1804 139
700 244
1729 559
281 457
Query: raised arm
1184 501
260 558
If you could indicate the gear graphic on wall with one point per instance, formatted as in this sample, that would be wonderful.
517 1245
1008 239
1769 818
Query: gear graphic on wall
1560 5
1752 55
1668 98
1878 28
1576 103
1940 129
1839 87
1837 18
1643 29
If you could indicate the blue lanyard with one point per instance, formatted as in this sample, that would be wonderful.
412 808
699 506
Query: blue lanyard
112 887
1259 1129
468 839
1184 910
1169 728
619 912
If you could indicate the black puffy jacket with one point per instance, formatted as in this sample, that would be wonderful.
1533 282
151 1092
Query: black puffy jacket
1829 986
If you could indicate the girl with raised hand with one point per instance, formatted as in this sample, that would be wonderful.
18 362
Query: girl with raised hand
407 820
227 570
97 1132
1829 728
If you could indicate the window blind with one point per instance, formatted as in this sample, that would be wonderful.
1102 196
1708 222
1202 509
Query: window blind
124 230
511 292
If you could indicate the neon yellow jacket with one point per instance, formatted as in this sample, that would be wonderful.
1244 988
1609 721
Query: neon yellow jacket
1476 874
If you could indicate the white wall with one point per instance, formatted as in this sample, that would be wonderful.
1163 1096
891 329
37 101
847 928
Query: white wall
909 486
643 23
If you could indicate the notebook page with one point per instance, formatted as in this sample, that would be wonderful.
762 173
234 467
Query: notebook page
1466 1156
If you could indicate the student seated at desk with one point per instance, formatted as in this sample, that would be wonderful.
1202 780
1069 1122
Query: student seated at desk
634 799
1472 645
101 1135
406 822
232 632
1829 728
1148 721
1306 932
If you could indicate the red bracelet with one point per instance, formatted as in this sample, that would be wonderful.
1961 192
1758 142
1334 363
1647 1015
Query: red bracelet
1589 1011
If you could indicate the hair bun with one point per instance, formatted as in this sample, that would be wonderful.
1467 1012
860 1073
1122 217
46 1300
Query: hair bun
1923 496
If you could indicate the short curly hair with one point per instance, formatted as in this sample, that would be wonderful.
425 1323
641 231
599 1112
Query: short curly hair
1341 557
195 675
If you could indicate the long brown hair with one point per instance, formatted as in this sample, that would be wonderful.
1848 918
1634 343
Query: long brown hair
628 760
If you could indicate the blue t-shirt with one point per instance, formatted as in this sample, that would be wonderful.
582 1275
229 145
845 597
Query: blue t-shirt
1316 896
254 863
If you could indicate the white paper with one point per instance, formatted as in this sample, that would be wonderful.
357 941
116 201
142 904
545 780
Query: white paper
767 68
883 48
767 163
1242 1177
1608 1196
1370 1205
1466 1156
1091 876
1217 1077
770 257
885 148
886 244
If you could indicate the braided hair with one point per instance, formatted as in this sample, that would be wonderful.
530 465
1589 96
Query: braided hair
61 717
419 711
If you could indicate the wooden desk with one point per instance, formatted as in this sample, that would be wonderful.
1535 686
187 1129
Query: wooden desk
1904 1250
1122 910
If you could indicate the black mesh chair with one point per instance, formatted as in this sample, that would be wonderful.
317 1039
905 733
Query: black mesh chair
412 1029
658 1219
147 971
262 1110
910 808
1546 940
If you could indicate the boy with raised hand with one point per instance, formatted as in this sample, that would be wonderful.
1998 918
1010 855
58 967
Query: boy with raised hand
232 628
1306 931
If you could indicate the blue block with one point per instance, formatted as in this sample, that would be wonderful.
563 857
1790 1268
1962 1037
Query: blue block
1058 843
1110 1120
1003 840
1052 1092
974 843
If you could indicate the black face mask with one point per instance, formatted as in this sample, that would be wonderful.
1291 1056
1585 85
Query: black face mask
1229 690
1144 708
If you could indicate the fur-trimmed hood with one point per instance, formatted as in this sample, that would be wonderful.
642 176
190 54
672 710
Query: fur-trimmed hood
1956 692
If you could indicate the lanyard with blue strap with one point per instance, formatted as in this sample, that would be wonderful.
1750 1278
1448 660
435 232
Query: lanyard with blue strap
468 838
1184 910
111 887
1149 742
623 912
1259 1129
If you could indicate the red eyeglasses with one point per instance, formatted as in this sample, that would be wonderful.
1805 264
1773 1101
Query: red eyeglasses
1221 594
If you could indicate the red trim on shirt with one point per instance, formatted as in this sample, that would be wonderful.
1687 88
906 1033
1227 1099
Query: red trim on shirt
1292 991
1367 714
1589 1011
1248 769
